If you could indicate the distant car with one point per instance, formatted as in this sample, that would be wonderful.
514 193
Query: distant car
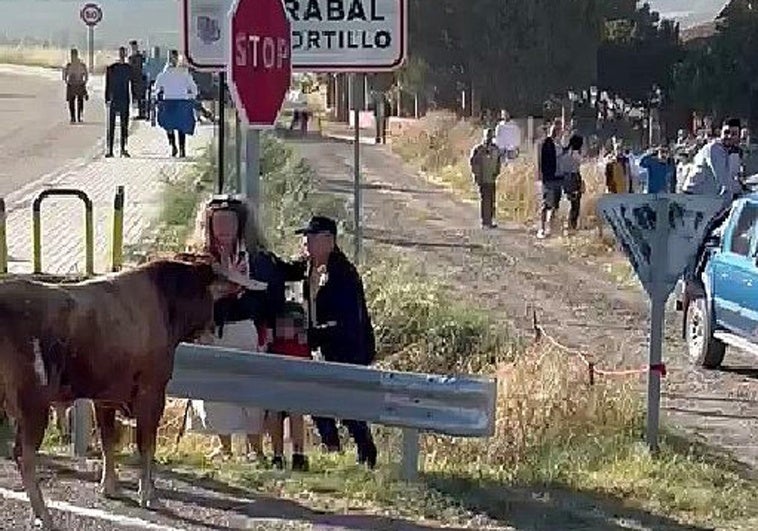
720 301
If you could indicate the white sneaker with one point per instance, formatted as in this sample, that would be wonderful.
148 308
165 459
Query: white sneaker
541 234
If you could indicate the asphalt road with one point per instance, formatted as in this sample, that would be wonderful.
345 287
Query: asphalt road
36 138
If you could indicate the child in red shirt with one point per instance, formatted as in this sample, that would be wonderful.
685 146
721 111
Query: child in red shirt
290 339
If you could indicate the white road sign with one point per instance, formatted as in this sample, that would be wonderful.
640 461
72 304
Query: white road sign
327 35
91 14
635 222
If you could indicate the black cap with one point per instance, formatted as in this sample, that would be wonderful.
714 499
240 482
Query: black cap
319 224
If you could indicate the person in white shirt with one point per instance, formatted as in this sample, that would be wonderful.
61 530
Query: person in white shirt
716 172
507 137
176 91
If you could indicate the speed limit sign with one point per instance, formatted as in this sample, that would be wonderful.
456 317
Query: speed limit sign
91 14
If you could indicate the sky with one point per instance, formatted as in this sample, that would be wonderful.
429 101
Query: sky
157 21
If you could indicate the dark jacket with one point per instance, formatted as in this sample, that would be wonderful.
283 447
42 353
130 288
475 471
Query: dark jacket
117 79
343 331
261 307
549 160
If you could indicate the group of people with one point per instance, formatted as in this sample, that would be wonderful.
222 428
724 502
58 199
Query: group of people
558 167
716 169
332 323
131 80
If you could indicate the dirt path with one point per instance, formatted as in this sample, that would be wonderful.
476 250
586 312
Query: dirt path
506 270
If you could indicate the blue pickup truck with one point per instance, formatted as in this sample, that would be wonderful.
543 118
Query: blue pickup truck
720 301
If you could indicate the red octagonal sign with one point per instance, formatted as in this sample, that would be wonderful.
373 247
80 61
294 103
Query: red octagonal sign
260 61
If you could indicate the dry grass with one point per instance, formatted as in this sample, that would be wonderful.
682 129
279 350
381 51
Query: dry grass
49 57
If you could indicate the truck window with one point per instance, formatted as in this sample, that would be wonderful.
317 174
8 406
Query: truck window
744 230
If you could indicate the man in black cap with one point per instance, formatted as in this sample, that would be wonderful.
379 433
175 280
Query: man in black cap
339 322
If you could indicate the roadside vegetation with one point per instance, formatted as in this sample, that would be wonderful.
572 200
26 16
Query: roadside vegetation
561 447
48 57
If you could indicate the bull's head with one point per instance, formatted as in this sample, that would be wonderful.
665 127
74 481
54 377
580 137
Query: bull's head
191 284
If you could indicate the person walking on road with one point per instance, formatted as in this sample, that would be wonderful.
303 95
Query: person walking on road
339 323
485 168
176 93
118 99
76 76
138 81
552 182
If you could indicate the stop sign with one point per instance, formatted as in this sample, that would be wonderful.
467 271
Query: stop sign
260 61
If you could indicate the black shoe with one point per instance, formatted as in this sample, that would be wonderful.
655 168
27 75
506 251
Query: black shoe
174 151
278 462
125 153
299 463
109 155
72 121
182 154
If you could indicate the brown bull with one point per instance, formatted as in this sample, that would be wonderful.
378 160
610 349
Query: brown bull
111 340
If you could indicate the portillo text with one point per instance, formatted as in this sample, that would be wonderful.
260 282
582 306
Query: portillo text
368 27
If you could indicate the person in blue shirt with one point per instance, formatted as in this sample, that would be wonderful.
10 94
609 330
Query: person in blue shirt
661 171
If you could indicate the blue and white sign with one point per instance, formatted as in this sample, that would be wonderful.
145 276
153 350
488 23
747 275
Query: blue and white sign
327 35
660 234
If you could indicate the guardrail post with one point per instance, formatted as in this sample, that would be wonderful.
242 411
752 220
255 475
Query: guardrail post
82 411
117 255
3 241
89 238
409 465
89 227
82 427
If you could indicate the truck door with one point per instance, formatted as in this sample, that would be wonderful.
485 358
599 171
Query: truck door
734 274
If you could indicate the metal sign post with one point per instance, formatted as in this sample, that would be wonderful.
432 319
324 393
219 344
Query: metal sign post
357 94
659 295
260 69
91 15
221 130
660 235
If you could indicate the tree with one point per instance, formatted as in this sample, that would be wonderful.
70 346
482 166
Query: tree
637 53
720 77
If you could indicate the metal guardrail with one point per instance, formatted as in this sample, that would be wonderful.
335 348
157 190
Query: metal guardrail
461 406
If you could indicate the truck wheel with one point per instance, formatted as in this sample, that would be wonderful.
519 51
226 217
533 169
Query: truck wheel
703 349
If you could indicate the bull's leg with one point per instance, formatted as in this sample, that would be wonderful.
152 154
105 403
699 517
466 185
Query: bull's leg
32 426
148 413
106 422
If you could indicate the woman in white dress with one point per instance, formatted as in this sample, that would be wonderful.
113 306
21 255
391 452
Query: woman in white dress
225 239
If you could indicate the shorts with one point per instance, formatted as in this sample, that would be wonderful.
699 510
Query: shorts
552 192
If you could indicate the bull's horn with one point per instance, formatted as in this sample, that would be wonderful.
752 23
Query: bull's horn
238 278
